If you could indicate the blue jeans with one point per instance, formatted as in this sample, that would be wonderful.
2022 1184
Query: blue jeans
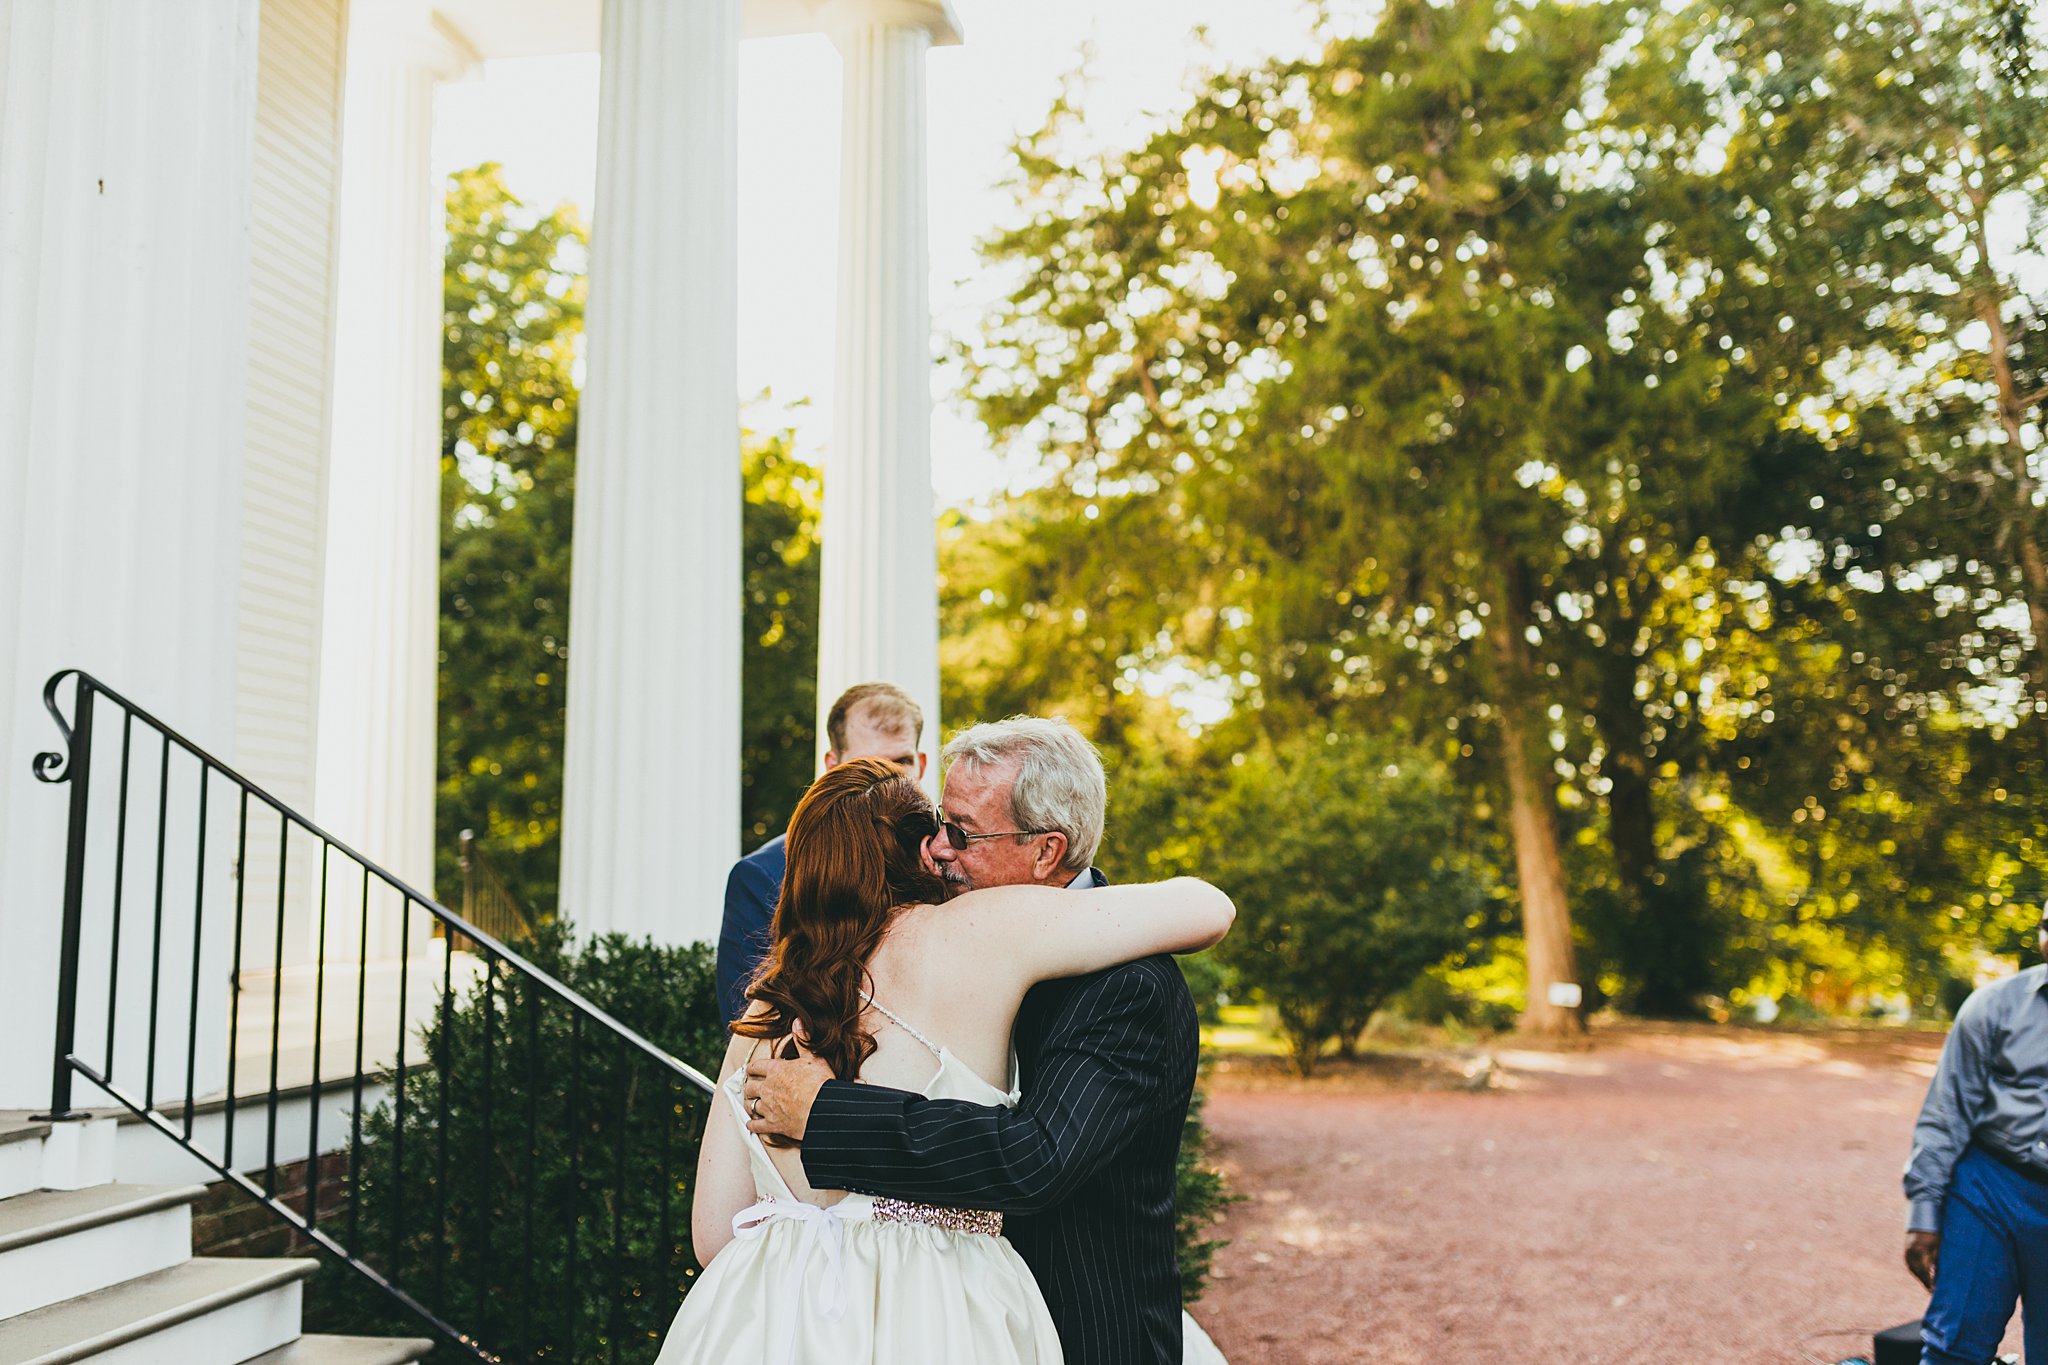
1994 1250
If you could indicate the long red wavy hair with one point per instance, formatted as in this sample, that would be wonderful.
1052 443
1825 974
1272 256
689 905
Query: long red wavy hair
855 854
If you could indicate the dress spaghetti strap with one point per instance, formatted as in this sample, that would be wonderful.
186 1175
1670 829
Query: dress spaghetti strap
899 1022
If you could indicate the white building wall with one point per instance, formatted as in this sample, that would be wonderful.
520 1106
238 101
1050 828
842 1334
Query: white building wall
125 153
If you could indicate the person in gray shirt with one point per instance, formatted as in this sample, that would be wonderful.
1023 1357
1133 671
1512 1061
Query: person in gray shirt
1977 1182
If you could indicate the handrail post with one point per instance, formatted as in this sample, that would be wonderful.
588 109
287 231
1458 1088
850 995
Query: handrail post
78 771
466 849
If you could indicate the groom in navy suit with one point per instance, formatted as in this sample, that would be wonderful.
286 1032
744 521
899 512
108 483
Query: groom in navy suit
1084 1168
869 720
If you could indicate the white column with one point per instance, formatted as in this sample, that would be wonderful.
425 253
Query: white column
125 144
880 599
295 190
650 815
374 772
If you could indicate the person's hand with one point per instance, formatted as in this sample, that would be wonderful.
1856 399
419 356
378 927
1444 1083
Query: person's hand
1923 1255
780 1091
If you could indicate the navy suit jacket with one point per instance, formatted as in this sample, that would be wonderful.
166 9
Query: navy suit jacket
751 890
1084 1168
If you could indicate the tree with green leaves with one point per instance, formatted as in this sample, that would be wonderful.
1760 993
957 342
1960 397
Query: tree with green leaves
779 705
1352 874
1384 360
1905 140
1873 734
513 316
1615 391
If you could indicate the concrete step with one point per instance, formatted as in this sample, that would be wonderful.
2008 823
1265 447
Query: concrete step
209 1311
61 1244
144 1155
21 1154
348 1351
58 1156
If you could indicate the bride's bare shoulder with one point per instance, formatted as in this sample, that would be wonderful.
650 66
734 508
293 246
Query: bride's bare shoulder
965 951
910 932
934 947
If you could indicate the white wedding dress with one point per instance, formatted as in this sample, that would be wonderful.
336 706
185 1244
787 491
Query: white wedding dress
865 1281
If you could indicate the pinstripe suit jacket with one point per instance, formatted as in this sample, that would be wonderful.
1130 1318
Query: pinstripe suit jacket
1083 1167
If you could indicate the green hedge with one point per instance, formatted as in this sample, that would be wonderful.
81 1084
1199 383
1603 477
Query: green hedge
1199 1201
564 1104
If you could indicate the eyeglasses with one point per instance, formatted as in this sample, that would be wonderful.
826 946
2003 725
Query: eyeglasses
960 838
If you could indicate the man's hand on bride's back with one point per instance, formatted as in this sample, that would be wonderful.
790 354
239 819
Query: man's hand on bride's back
780 1091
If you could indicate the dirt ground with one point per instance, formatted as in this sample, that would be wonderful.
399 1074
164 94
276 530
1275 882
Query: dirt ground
1691 1195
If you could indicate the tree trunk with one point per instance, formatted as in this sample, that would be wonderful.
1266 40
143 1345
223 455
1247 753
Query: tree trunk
1539 866
1631 822
1664 941
2024 520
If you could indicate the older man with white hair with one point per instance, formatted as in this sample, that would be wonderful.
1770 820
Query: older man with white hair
1084 1167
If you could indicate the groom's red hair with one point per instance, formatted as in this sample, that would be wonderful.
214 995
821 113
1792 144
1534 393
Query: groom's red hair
855 854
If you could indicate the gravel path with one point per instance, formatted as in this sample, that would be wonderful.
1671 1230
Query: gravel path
1685 1195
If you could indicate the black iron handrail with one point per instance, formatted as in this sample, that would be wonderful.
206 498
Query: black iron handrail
91 869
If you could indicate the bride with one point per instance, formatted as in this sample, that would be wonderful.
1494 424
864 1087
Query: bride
885 985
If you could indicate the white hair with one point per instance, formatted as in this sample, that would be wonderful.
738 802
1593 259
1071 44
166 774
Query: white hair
1059 783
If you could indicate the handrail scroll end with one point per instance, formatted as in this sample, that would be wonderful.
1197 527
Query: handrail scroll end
57 766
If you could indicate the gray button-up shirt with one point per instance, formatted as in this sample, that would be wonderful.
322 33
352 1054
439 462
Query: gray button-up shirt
1991 1087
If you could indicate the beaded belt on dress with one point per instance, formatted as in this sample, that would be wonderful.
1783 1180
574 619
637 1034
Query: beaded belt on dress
986 1221
824 1233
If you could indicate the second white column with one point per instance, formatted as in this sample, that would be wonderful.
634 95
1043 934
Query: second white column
374 773
650 816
